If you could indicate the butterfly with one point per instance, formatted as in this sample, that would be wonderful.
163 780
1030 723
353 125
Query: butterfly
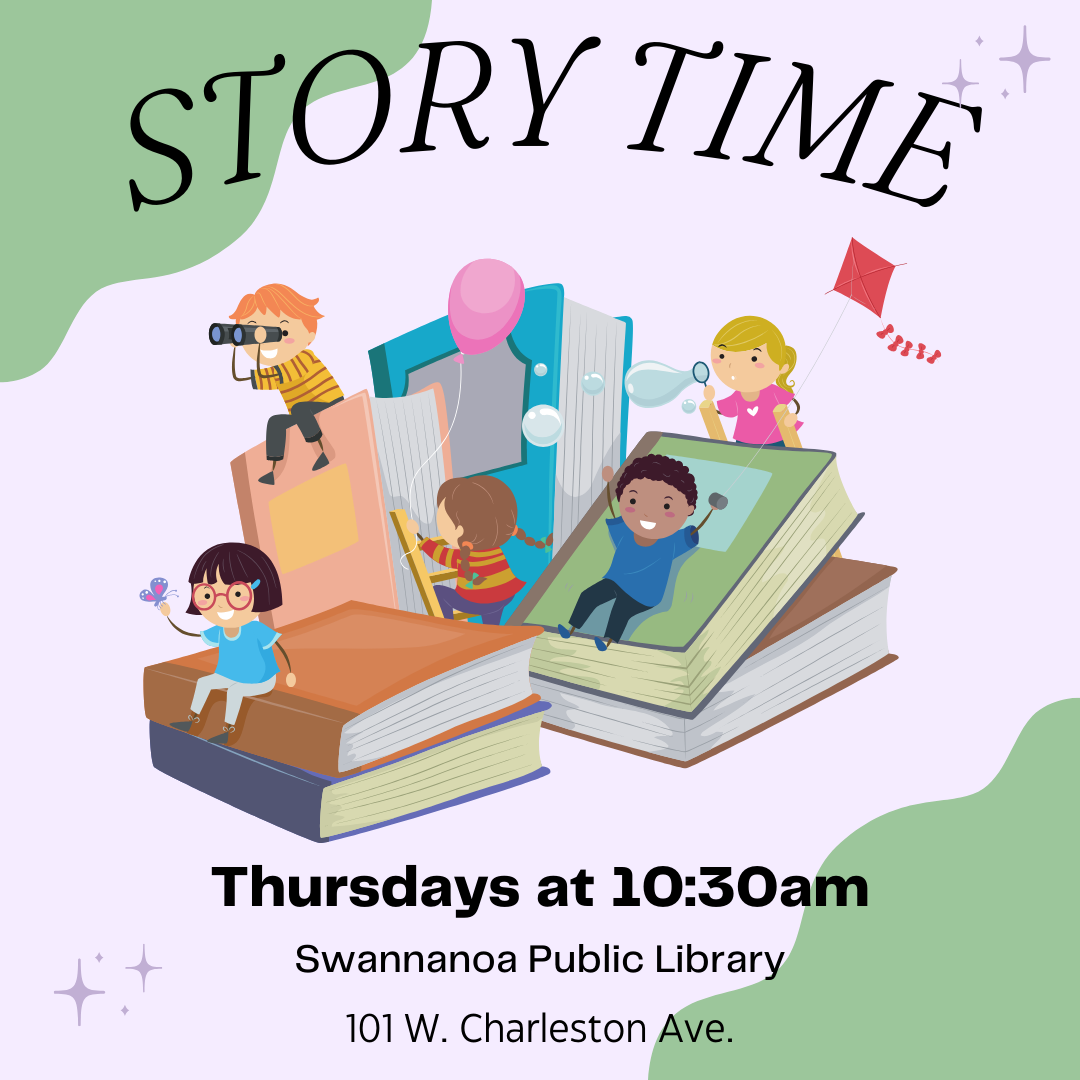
157 594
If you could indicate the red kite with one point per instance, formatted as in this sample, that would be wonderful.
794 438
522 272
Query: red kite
864 277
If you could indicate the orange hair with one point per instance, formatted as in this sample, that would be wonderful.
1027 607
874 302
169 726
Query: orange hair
279 300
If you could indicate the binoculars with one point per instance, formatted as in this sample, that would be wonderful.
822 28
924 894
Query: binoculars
241 334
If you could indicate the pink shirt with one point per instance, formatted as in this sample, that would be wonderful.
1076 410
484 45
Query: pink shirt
756 423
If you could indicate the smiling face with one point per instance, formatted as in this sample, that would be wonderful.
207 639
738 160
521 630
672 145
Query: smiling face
295 337
749 371
653 509
221 612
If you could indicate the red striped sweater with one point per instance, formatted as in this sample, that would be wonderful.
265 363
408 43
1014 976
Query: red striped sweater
496 579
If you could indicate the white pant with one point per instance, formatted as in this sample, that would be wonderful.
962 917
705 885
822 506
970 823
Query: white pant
235 692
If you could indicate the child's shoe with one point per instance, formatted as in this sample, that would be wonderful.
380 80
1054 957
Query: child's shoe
600 643
188 724
563 632
320 463
227 736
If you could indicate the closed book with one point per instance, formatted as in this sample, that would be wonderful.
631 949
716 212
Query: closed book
461 767
371 682
786 514
832 635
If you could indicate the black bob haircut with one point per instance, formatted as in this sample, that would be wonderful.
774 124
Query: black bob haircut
665 469
238 562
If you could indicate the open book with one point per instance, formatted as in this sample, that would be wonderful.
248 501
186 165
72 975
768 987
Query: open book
787 513
554 344
328 532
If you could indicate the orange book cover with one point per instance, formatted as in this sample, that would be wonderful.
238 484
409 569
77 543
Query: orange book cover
347 661
327 532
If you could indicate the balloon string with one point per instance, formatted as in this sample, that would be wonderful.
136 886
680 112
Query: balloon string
408 498
776 426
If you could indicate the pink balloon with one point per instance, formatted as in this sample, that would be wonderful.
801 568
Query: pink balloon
486 300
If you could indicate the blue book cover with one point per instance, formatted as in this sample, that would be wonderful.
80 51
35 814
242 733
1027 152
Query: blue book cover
556 343
295 799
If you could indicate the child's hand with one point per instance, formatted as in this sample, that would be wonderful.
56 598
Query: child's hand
607 473
709 393
290 679
789 419
412 526
165 609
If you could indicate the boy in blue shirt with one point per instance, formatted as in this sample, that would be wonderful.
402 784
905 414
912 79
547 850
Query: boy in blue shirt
656 495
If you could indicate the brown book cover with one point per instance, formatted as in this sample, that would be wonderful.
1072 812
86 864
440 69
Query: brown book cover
347 661
838 581
327 532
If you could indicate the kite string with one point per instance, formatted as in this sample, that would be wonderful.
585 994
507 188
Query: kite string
408 497
776 426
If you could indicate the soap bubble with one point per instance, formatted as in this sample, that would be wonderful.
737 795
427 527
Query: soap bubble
542 425
593 383
539 370
689 405
650 384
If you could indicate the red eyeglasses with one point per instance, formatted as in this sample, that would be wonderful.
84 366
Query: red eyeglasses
238 595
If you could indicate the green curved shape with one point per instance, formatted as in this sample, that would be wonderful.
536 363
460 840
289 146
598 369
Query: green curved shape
964 962
72 75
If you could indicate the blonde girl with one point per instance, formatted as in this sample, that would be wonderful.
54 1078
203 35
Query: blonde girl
476 516
750 356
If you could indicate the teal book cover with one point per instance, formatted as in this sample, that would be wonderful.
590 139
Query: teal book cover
608 468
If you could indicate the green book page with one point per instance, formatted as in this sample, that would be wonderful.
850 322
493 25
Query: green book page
761 485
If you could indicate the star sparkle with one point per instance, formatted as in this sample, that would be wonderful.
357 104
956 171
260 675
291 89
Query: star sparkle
960 83
978 40
1024 59
79 992
143 968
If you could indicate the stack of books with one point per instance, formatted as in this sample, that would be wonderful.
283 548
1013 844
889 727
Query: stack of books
394 715
758 621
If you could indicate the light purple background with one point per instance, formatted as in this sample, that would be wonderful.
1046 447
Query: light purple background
118 470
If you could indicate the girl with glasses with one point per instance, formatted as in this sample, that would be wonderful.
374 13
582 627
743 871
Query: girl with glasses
230 585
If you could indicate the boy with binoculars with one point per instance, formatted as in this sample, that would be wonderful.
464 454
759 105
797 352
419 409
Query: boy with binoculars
277 324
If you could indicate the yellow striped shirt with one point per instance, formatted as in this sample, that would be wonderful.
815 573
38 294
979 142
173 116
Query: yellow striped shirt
303 378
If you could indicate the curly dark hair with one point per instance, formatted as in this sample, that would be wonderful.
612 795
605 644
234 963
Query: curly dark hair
238 562
659 467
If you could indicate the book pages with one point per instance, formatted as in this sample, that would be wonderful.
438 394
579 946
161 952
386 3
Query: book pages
408 433
592 423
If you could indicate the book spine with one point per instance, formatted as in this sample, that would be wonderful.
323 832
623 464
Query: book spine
279 726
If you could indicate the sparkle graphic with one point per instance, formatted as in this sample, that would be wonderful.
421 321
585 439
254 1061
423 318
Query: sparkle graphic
978 40
1024 59
99 958
125 1010
142 967
79 992
960 83
1005 94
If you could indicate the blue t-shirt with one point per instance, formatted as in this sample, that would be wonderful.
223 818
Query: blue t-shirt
642 570
246 658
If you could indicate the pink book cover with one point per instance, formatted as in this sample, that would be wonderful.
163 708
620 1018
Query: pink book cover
326 531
